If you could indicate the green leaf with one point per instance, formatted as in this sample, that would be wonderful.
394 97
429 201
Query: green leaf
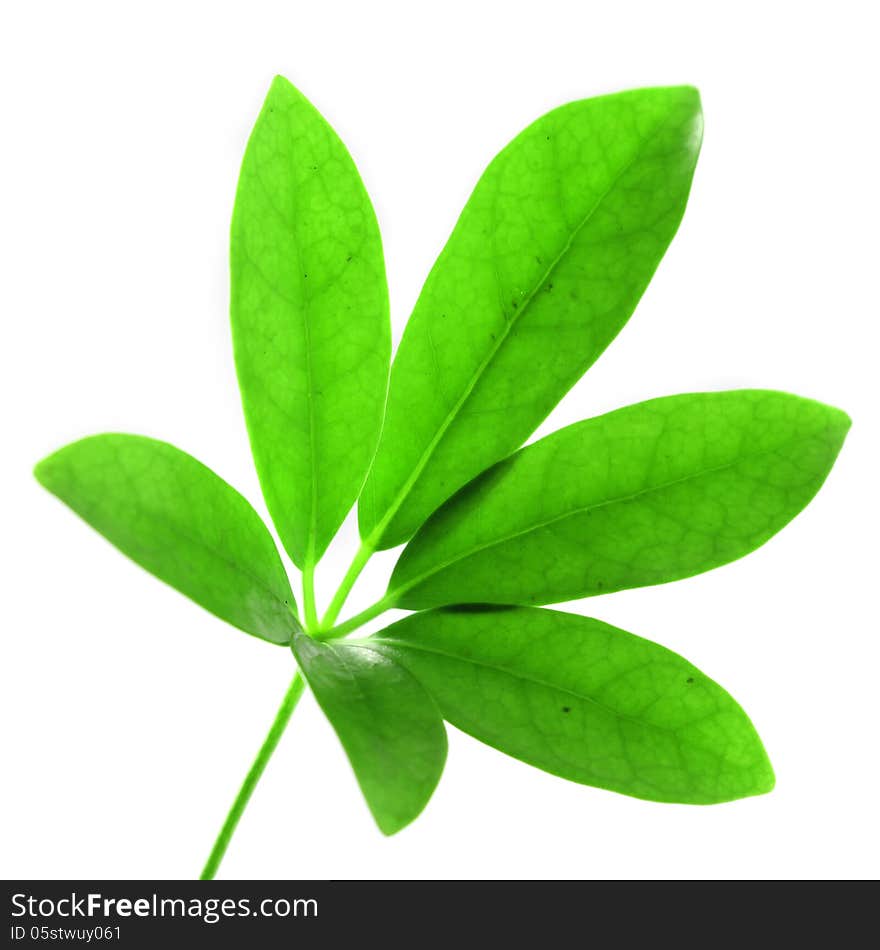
584 700
175 517
309 306
546 264
648 494
388 725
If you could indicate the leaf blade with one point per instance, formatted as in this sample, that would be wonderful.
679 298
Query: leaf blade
647 494
310 320
585 701
547 262
178 520
389 727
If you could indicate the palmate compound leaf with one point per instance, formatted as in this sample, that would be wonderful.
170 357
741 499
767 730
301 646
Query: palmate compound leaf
181 522
388 725
647 494
547 262
309 308
583 700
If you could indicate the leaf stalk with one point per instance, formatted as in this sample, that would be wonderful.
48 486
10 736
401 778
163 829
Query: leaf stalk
291 698
358 620
363 555
310 611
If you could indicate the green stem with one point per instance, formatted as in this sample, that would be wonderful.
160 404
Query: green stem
310 612
364 553
291 698
358 620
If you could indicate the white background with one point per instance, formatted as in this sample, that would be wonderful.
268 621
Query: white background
129 715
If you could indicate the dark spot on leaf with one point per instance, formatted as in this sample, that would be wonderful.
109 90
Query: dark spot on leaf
348 258
690 679
548 138
549 288
513 304
566 709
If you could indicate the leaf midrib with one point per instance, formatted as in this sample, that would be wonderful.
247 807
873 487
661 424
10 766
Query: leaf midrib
419 647
621 499
304 307
375 535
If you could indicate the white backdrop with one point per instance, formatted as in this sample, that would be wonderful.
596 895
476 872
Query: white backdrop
129 715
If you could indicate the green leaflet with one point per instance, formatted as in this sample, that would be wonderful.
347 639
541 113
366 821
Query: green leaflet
180 521
388 725
309 306
547 262
583 700
648 494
